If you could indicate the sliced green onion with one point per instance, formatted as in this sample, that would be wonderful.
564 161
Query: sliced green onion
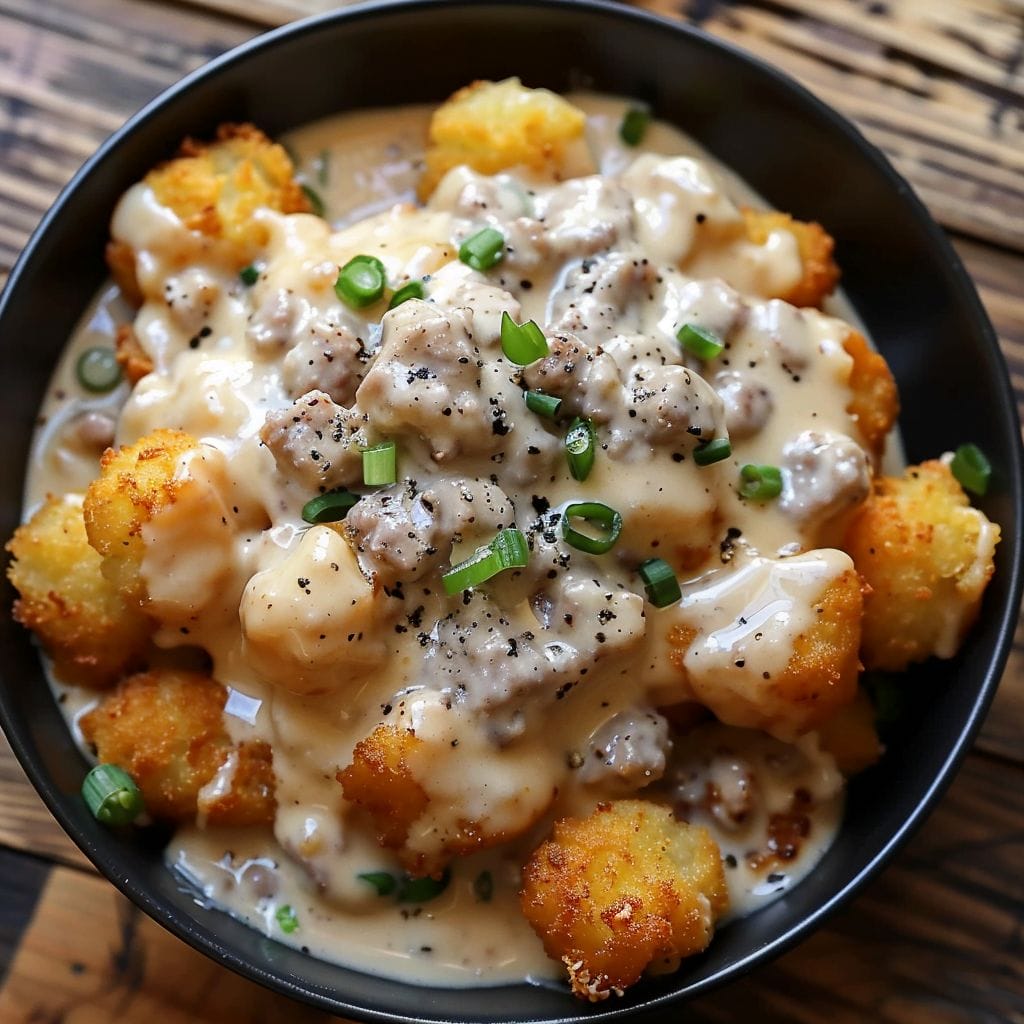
483 250
249 275
971 468
508 550
483 887
315 201
329 507
660 582
542 404
112 796
700 342
522 343
580 448
634 125
97 370
760 483
323 167
597 512
411 290
420 890
286 919
380 464
361 281
715 450
383 881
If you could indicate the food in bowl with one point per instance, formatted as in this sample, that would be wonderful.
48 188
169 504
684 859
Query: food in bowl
481 584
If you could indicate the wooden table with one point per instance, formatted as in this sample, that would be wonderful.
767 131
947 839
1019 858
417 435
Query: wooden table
939 85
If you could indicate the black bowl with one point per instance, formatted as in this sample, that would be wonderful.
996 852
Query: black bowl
905 280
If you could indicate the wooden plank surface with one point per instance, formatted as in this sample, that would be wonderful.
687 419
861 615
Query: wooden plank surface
940 936
938 85
937 939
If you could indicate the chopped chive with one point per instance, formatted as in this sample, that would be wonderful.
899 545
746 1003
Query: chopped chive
699 341
329 507
483 887
249 275
410 290
580 448
542 404
660 582
98 370
971 469
323 166
483 250
380 464
760 483
315 202
383 881
524 343
420 890
112 796
634 125
286 919
597 512
715 450
361 281
508 550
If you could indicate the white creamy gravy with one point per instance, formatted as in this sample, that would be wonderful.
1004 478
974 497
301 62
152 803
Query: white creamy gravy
781 380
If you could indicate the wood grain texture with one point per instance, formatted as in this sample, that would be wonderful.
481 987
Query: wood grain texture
937 939
61 94
938 85
25 823
123 967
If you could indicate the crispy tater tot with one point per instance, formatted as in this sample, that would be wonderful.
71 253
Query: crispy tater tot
131 356
214 188
850 736
93 636
393 778
135 482
492 126
166 729
815 245
875 404
927 557
819 678
380 780
613 892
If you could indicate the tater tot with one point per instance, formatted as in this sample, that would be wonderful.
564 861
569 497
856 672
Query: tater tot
492 126
214 188
875 403
927 557
166 729
818 679
430 816
135 483
851 737
82 621
131 356
611 893
815 245
380 780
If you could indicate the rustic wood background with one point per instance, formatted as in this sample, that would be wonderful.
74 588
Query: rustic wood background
939 86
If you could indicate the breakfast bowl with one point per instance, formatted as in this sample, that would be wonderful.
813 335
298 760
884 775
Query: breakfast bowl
899 273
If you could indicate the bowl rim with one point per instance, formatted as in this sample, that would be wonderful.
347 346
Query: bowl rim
966 294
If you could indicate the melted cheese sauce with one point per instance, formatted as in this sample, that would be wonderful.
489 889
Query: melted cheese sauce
315 657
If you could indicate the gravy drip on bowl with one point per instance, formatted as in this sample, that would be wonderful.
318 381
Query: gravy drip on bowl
540 690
